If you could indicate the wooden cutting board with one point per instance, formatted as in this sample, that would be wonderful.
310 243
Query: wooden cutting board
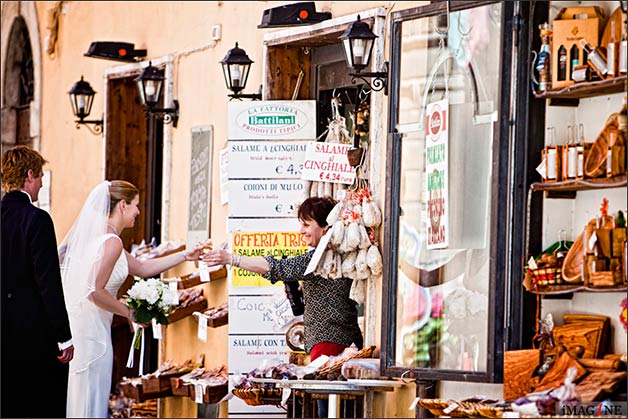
518 368
618 17
556 375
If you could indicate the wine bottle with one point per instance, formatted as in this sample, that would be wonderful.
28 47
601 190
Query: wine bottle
574 55
562 63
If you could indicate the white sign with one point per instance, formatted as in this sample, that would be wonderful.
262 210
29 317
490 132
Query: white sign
272 120
327 162
263 224
200 185
252 313
318 253
247 352
265 159
437 172
264 198
224 176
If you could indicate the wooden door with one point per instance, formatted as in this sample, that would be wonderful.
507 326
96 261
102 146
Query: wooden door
127 148
133 153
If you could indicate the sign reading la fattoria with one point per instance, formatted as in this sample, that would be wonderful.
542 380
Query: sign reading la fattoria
266 160
328 162
272 120
437 172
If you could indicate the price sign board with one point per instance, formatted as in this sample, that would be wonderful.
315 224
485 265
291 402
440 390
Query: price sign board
328 162
264 198
266 160
262 244
437 171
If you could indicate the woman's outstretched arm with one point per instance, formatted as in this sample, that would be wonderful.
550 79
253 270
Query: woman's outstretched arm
258 265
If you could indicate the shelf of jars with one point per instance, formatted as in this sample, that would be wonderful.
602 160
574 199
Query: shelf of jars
586 89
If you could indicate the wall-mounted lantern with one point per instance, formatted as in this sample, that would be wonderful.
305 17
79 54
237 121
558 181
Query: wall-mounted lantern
358 41
235 68
149 85
81 99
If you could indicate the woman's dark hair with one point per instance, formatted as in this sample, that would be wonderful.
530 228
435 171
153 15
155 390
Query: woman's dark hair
316 209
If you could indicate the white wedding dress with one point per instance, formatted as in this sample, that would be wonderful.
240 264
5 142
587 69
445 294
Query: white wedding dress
91 369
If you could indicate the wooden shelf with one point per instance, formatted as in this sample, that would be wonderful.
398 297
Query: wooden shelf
568 289
580 184
586 89
180 313
192 280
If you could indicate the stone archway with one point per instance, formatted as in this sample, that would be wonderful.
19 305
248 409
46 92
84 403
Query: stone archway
20 74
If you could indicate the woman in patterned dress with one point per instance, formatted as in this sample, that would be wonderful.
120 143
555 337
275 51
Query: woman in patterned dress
330 316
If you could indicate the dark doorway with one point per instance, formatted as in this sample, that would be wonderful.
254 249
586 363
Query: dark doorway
19 86
331 79
134 152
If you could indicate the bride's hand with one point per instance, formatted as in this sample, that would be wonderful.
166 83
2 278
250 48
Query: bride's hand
199 249
133 320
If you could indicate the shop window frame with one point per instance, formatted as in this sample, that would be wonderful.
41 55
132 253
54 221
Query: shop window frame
501 220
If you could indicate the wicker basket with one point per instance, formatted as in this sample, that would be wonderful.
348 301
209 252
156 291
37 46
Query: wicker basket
337 366
543 277
259 396
461 409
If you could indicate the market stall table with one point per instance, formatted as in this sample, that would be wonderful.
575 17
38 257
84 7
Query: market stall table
335 389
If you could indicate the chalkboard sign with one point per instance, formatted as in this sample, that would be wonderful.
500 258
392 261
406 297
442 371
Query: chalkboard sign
200 184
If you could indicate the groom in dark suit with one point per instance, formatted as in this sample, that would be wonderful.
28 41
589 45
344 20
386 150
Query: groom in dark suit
36 339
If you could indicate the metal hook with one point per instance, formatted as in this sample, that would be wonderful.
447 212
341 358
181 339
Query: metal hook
438 31
460 31
364 94
403 377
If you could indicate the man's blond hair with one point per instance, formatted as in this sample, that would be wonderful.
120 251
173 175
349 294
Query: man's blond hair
16 162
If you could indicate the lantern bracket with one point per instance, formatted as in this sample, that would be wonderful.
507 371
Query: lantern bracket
166 115
379 79
93 125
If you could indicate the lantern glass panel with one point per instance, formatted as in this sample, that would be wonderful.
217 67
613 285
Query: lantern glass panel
362 48
81 104
225 72
150 91
239 76
346 43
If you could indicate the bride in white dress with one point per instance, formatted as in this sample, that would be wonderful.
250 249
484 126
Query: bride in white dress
94 265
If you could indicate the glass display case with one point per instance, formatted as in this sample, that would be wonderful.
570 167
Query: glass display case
446 231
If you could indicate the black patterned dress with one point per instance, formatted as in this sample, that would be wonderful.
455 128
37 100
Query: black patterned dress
330 315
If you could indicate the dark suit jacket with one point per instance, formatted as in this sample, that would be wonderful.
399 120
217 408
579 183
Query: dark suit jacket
34 317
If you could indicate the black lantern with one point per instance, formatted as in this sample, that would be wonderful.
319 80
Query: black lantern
149 85
235 68
358 44
81 99
358 41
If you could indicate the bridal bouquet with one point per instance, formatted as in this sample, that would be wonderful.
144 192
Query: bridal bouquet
151 299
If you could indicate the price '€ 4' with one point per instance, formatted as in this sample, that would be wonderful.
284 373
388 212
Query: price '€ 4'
291 169
285 208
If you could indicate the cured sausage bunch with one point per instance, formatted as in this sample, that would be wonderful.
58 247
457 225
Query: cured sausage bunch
352 251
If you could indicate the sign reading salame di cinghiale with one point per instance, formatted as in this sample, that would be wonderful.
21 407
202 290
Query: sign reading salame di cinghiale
327 162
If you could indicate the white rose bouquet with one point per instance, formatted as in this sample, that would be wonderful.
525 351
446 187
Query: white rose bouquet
151 299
